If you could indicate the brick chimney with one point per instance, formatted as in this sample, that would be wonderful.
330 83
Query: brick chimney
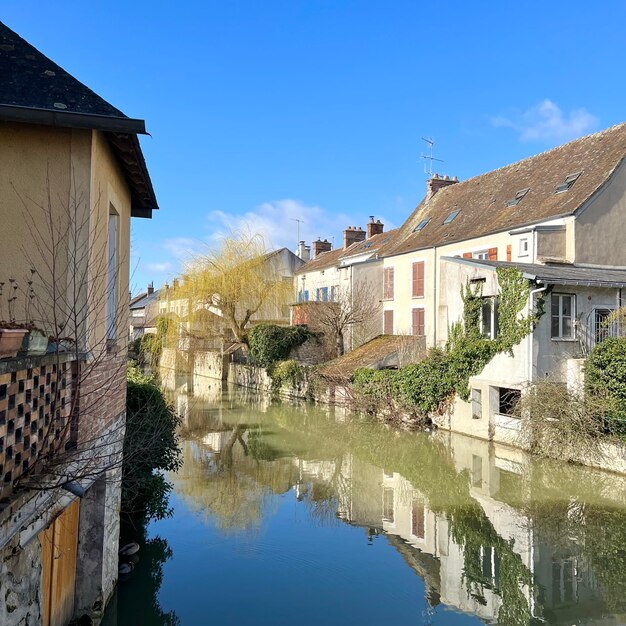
436 183
374 227
150 289
320 246
351 235
304 252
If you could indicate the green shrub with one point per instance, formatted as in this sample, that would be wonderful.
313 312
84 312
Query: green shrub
605 375
270 343
150 448
287 372
429 385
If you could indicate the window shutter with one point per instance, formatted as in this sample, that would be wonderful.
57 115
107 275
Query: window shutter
418 279
509 254
388 283
467 255
418 322
493 254
388 322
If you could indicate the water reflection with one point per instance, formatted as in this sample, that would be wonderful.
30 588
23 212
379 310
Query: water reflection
491 532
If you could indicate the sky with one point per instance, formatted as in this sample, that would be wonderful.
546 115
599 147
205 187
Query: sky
262 112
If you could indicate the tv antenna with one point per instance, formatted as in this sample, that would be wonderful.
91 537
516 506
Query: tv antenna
429 157
299 221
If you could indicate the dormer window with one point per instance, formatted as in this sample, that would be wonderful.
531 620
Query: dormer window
451 217
517 197
421 225
570 179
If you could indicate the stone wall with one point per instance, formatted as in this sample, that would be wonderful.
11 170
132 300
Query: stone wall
249 376
311 352
21 600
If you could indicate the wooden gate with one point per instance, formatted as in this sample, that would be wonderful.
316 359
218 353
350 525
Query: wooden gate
59 544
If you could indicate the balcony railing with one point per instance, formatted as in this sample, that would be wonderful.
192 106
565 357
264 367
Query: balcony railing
35 409
597 326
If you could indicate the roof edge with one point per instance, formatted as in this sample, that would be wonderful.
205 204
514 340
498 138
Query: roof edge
71 119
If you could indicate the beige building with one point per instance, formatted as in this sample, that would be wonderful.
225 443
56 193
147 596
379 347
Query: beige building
559 218
354 270
72 175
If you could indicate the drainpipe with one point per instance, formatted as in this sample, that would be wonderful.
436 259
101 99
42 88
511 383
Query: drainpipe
435 306
530 335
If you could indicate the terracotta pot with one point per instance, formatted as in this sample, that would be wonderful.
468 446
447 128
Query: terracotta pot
11 341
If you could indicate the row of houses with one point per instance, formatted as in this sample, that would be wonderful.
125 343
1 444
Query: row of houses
558 217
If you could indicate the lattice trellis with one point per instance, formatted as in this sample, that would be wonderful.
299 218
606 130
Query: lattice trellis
35 406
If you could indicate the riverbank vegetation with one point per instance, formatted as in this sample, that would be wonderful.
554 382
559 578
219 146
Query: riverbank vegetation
430 385
150 448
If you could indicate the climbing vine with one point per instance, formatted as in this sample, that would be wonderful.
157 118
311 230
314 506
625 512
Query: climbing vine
428 386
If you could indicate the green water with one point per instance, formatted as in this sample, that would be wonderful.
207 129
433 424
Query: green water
303 515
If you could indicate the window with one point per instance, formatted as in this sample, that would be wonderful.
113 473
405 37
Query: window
489 317
388 505
306 295
562 317
112 275
523 247
417 323
334 293
477 404
325 294
388 273
602 325
451 217
517 197
570 179
421 225
482 254
388 322
508 400
418 518
418 279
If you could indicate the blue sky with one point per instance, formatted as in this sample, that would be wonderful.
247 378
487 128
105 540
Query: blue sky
261 111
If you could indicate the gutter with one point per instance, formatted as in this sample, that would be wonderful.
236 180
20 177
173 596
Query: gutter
532 332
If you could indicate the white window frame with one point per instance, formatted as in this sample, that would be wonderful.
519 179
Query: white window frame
524 247
560 296
483 255
493 333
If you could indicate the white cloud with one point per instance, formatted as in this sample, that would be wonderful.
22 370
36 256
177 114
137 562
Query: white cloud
276 222
547 122
159 267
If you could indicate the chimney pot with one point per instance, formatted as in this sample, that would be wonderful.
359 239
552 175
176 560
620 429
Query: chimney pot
436 183
374 228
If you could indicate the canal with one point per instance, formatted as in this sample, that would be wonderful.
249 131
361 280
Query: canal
300 514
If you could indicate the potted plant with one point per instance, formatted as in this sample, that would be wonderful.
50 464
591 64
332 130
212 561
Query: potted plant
12 333
36 341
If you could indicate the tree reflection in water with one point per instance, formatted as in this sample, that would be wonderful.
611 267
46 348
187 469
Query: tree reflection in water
136 599
516 541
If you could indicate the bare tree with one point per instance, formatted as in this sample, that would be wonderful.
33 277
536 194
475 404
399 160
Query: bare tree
353 310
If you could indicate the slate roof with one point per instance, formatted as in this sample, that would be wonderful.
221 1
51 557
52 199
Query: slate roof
144 299
482 200
558 274
334 257
34 89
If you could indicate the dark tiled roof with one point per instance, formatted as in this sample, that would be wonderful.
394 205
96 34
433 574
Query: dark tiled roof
143 300
334 257
34 89
482 200
559 274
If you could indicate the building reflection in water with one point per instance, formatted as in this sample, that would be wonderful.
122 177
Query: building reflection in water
491 532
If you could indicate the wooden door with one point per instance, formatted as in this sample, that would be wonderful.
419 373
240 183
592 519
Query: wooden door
59 545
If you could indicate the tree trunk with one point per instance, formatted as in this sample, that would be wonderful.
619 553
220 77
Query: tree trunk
339 343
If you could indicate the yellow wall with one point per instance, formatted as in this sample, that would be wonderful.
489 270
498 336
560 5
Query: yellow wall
70 175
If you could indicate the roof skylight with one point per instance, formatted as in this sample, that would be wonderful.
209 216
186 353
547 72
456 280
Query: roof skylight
517 197
451 216
421 225
570 179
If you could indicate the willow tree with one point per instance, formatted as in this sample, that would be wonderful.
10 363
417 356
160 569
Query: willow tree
235 283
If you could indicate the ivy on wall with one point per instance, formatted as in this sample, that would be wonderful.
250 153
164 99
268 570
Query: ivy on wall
428 386
270 343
